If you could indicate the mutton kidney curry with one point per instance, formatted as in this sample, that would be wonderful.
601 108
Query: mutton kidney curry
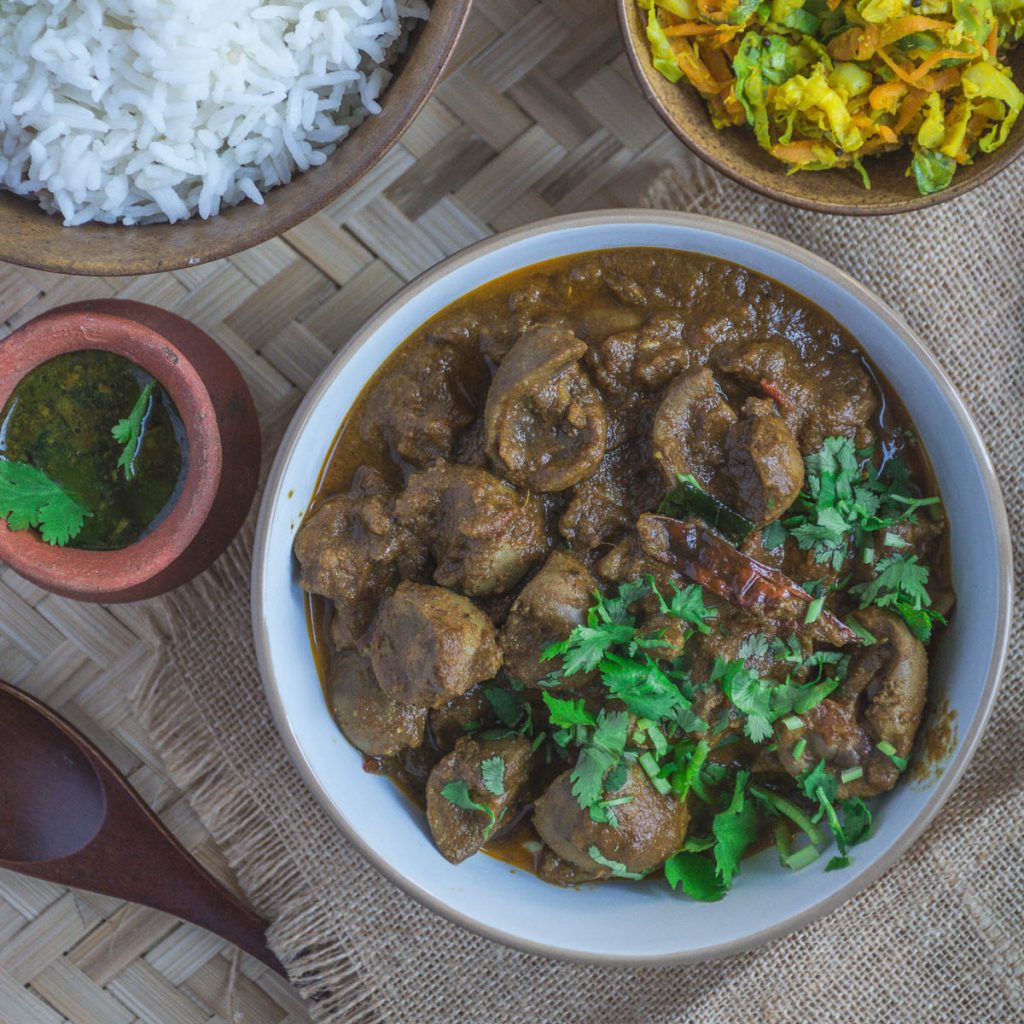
629 562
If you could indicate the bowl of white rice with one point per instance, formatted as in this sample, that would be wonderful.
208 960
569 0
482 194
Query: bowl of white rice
139 136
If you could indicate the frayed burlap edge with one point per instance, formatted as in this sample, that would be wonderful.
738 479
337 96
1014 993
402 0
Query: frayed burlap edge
301 935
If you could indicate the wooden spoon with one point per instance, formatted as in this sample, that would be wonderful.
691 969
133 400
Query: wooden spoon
68 816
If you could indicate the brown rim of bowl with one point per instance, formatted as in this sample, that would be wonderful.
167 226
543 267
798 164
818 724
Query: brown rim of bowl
29 237
643 70
65 569
953 770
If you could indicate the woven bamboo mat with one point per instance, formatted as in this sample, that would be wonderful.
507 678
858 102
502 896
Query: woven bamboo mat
538 115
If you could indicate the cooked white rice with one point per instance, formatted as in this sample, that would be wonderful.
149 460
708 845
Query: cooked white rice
135 111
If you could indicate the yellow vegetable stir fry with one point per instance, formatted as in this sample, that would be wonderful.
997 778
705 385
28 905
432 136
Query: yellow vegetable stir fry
824 83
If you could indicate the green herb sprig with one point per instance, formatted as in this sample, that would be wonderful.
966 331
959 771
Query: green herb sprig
131 430
29 498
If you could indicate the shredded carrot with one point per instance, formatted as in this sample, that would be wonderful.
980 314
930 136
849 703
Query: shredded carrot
911 105
855 43
692 28
941 80
696 71
717 64
915 76
716 13
992 43
887 95
912 23
804 151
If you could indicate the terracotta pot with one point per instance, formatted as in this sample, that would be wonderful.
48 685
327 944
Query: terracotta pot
223 435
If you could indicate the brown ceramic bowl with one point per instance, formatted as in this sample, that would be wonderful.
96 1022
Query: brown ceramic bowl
32 238
223 449
735 152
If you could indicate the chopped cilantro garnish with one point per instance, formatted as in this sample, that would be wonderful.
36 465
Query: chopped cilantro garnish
846 500
901 584
822 786
734 830
617 868
29 498
756 645
890 752
696 874
130 431
492 771
773 536
457 793
686 604
602 752
512 710
567 713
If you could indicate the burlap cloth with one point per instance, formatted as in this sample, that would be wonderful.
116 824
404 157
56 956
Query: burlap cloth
937 939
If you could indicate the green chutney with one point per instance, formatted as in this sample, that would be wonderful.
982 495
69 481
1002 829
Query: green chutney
59 419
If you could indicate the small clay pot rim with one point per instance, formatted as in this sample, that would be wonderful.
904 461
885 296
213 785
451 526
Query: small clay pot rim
94 572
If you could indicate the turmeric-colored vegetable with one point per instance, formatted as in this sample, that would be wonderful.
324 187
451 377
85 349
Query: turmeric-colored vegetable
824 82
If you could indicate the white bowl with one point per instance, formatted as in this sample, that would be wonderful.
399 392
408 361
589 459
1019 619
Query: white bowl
626 923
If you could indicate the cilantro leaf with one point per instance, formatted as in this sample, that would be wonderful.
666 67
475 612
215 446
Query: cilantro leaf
747 693
492 772
773 536
687 604
844 503
641 686
816 779
901 585
617 868
511 708
585 646
29 498
130 431
857 819
615 610
755 645
697 875
734 830
602 753
567 713
457 793
899 577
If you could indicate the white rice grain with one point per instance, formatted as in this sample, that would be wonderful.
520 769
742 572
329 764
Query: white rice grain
132 111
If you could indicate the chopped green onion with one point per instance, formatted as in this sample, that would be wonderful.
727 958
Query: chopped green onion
690 778
783 841
890 752
532 846
868 555
868 637
658 739
814 609
793 722
639 737
851 774
894 540
615 801
783 806
800 747
772 747
651 769
801 858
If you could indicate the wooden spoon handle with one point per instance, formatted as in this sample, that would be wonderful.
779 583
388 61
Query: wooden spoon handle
103 837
